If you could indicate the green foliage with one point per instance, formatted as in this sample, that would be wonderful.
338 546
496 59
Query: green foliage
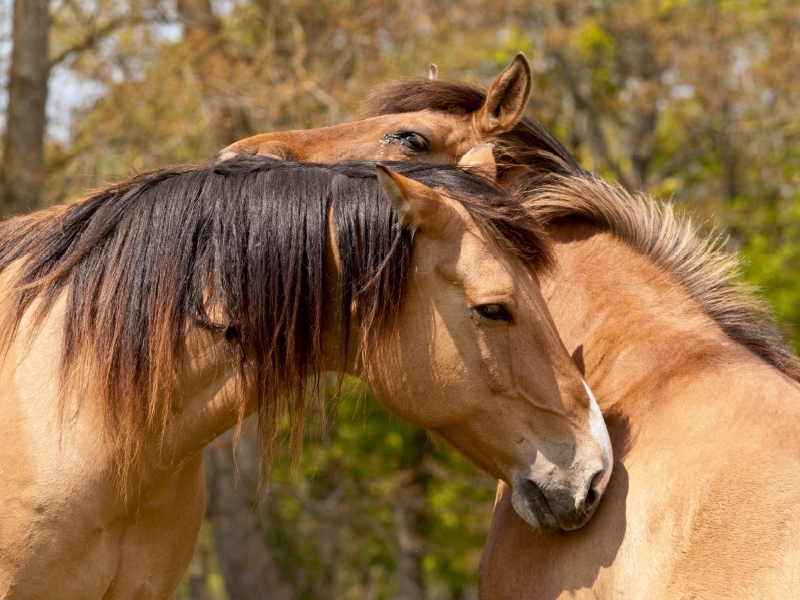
203 578
771 254
590 39
331 526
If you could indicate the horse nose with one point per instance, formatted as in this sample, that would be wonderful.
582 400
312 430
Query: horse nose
581 509
551 507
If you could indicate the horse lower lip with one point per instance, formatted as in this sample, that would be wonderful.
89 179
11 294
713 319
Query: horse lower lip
536 503
570 519
571 526
548 517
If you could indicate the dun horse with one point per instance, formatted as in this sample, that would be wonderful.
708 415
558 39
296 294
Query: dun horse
699 392
701 401
426 120
144 320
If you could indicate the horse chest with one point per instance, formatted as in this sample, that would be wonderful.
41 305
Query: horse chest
65 540
158 541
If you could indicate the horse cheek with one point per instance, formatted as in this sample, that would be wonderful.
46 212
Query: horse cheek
495 355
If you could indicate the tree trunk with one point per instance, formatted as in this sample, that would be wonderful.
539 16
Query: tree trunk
247 565
23 161
410 518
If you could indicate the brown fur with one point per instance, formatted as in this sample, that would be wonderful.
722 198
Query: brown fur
697 390
683 360
709 274
427 120
527 143
259 270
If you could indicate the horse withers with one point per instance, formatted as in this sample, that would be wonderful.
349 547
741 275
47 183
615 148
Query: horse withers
142 321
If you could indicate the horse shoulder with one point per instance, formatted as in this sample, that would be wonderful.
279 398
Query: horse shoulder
158 539
740 531
52 465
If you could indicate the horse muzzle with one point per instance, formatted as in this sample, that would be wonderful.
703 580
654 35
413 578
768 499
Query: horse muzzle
550 496
552 509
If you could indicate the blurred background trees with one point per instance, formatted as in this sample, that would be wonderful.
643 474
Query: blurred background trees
23 156
691 99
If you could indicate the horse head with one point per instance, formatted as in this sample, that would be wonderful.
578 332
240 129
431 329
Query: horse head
430 135
478 362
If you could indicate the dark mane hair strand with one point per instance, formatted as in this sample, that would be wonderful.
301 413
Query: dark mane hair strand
239 249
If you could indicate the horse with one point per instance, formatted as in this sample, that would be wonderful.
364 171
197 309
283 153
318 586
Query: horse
701 400
145 319
677 351
427 120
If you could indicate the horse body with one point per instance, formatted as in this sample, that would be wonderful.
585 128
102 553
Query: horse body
703 425
101 486
701 502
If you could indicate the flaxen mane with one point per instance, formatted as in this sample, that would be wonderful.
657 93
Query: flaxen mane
671 241
529 142
239 249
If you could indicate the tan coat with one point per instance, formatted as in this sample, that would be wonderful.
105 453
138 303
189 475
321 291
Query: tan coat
702 501
474 357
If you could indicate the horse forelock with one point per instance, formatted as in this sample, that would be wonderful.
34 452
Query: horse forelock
670 240
239 248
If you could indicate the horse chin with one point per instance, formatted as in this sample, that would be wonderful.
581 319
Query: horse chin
530 504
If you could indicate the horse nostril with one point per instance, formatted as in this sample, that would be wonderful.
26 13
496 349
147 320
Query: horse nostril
591 498
597 479
595 489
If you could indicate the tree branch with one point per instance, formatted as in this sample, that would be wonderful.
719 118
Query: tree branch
95 36
596 139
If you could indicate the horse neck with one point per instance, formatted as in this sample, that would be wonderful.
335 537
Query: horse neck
629 325
207 398
205 401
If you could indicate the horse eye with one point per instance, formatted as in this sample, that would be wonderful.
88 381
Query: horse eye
494 312
413 141
231 332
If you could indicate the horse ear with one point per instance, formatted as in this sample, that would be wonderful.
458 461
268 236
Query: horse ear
506 98
481 158
433 71
417 205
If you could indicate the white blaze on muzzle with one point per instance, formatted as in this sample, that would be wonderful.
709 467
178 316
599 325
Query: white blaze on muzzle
597 426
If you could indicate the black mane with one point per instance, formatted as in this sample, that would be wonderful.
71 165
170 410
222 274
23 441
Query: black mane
238 248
